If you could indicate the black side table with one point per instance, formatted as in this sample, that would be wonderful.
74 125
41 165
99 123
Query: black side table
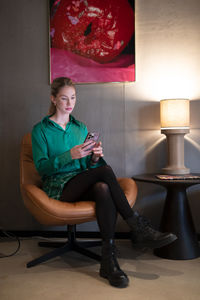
176 218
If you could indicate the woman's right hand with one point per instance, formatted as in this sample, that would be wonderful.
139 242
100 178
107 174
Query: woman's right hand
82 150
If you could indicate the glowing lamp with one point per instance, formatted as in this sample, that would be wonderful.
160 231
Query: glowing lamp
175 122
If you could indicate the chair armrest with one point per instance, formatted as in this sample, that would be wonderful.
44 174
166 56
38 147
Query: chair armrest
130 189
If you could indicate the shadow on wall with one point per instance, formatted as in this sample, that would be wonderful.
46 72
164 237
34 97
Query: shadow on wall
145 145
154 142
149 115
192 140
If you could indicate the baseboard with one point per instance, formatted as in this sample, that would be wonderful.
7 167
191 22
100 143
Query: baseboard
63 234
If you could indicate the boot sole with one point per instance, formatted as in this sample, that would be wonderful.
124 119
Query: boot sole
156 244
118 284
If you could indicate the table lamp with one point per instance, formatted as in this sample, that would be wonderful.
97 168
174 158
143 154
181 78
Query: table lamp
175 122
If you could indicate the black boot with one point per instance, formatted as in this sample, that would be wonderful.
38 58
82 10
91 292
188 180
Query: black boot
143 235
109 266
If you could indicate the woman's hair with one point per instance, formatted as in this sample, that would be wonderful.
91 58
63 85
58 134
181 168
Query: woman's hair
56 85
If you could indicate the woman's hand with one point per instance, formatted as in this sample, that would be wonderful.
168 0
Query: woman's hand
97 152
82 150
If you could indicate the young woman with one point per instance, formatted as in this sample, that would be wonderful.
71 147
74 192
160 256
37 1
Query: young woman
73 170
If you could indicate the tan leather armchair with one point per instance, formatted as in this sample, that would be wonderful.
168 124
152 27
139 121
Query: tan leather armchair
53 212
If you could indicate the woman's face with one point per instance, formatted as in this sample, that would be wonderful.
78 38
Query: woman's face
65 100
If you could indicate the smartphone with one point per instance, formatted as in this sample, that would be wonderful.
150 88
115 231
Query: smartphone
92 136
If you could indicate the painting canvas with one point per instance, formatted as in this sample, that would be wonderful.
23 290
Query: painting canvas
92 41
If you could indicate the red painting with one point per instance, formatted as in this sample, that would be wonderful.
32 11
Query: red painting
92 41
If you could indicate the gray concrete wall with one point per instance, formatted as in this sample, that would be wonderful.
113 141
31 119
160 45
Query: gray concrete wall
127 114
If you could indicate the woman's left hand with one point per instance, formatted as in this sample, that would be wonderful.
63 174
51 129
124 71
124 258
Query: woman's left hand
97 152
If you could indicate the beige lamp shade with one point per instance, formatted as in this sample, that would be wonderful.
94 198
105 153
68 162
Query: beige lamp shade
175 114
175 122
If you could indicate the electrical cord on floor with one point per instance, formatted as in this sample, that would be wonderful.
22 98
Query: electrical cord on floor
10 236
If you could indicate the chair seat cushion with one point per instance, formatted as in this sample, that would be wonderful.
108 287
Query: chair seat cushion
53 212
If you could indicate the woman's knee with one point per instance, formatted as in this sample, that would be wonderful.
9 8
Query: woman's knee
103 198
101 187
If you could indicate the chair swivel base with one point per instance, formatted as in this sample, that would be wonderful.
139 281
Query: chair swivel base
71 245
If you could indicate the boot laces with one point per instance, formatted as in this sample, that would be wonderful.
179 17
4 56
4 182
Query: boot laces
146 225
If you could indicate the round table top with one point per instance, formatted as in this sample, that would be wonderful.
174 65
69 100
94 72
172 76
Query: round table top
151 178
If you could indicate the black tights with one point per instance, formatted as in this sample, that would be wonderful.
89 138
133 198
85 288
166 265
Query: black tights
99 185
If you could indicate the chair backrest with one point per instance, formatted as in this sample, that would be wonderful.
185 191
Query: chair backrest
28 172
47 210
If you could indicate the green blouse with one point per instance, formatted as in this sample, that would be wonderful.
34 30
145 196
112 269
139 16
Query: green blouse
51 146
